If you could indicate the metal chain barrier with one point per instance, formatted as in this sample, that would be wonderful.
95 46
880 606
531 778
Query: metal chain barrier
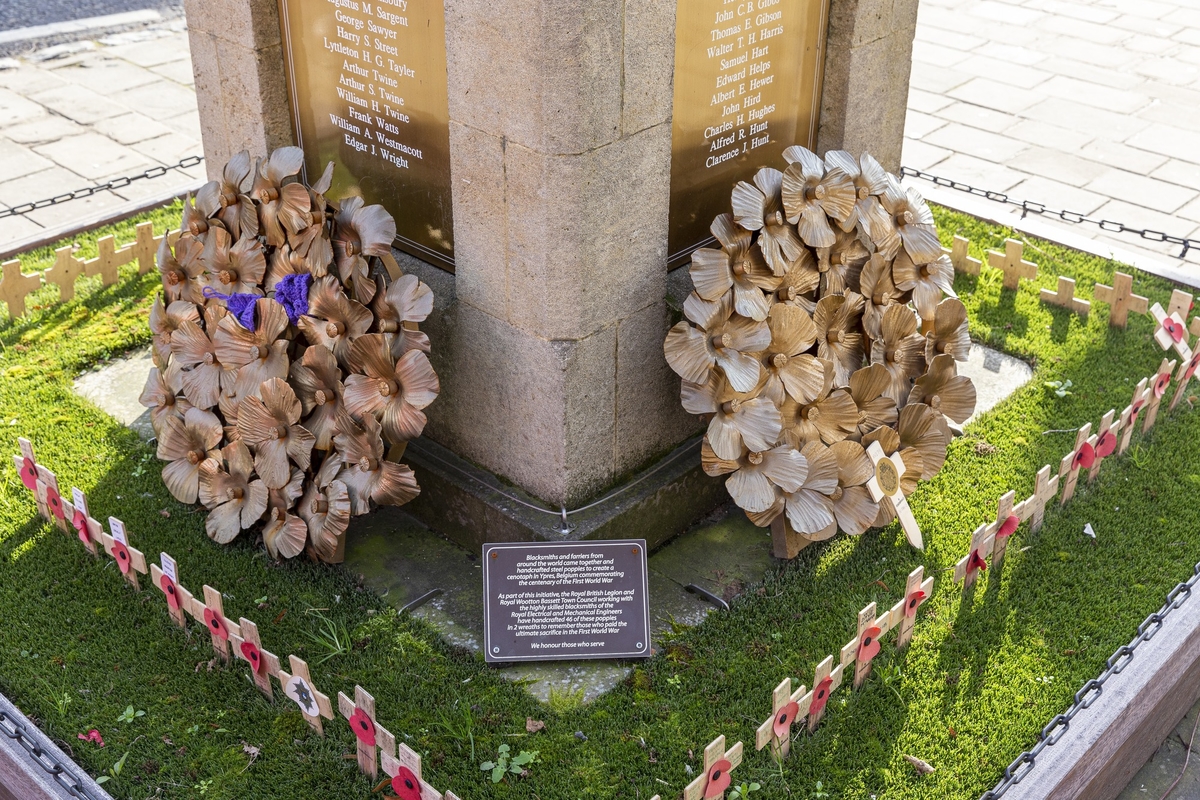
1030 207
15 729
1021 766
88 191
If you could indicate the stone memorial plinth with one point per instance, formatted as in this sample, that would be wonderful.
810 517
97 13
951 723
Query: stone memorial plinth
567 123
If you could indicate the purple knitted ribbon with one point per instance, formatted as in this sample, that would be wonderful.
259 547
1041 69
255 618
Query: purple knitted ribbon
239 304
292 293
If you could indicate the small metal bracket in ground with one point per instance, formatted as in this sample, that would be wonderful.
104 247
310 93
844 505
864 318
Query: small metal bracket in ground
413 605
707 595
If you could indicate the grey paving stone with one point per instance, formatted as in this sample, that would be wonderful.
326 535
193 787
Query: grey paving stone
159 100
1094 94
1086 71
107 76
1058 165
17 161
78 103
131 128
44 129
178 71
155 52
15 109
993 94
1069 114
53 180
94 156
1141 190
66 216
927 102
999 69
979 117
975 142
1180 173
1042 133
979 172
920 155
1168 140
169 148
937 54
920 125
14 229
1057 195
1120 155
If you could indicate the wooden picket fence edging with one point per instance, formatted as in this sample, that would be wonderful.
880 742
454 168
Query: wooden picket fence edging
16 286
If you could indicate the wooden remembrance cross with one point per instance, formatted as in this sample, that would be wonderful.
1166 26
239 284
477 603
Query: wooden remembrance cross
360 713
961 259
1034 506
1083 456
903 615
212 613
1012 263
404 769
263 663
298 687
1159 388
130 561
1121 299
1065 297
884 487
718 763
1187 371
785 710
1170 331
1008 519
166 580
87 529
1106 443
975 561
1130 414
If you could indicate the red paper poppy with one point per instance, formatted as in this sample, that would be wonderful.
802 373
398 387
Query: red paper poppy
54 503
29 474
914 602
1173 329
121 554
868 645
718 779
168 586
1009 527
81 526
1161 384
1106 445
976 562
1085 456
820 697
216 624
784 720
405 784
1138 406
363 727
251 653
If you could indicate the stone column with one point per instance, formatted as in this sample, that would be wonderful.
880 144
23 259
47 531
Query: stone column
868 58
237 60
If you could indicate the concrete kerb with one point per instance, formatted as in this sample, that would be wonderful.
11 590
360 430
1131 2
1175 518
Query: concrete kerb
21 776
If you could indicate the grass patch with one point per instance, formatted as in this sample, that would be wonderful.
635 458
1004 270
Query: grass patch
985 671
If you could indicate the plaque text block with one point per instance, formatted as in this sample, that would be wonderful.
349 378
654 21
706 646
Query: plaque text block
551 601
367 84
747 86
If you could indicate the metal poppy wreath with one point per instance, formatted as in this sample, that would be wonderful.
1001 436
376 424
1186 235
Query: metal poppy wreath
826 321
287 358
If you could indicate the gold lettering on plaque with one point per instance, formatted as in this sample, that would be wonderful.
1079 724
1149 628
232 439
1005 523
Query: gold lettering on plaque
747 85
367 84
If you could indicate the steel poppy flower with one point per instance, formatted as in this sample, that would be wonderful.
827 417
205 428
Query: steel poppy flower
326 512
949 333
868 390
407 300
728 341
281 262
233 267
801 282
739 265
224 199
269 426
406 785
164 321
310 242
841 265
790 372
899 349
258 355
852 504
280 203
363 727
186 442
830 416
810 192
169 591
758 207
908 222
920 428
234 498
161 400
869 180
944 390
718 779
29 474
284 535
878 290
868 644
365 473
927 281
809 509
739 420
333 320
194 223
838 338
394 391
318 384
753 485
180 270
252 655
359 232
203 375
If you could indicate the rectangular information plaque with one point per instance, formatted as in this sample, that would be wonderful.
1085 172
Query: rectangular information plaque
747 86
550 601
367 83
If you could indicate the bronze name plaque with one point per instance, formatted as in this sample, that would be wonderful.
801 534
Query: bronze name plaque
747 85
367 82
552 601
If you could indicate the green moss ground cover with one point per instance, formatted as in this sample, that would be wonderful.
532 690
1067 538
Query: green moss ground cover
984 673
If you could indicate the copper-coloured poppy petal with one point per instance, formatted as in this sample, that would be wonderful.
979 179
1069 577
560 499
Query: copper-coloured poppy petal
284 534
855 510
223 523
713 464
792 330
810 514
822 468
786 467
854 465
835 417
418 382
401 421
804 377
758 422
182 479
918 430
765 518
395 485
751 489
